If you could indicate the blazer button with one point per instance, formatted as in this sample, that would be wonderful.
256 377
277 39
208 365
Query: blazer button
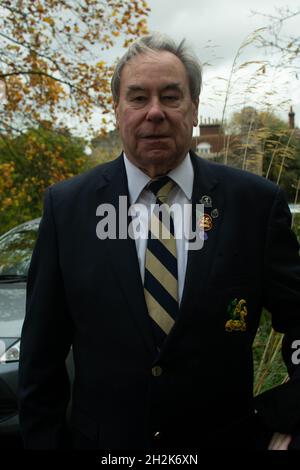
156 371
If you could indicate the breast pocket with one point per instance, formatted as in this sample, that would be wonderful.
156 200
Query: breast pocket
236 307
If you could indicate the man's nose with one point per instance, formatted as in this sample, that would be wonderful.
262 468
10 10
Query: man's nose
155 112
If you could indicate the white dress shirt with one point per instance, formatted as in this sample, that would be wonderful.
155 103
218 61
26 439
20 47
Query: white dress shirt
181 194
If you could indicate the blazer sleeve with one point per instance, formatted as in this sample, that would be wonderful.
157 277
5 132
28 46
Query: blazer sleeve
44 388
279 408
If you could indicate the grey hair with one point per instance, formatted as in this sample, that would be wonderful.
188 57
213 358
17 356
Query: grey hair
157 42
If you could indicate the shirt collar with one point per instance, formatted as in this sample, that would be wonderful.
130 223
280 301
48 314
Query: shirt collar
183 175
136 179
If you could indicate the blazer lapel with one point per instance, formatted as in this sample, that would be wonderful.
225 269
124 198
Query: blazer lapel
200 262
122 251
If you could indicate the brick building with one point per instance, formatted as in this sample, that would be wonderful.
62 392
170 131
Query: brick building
211 140
214 144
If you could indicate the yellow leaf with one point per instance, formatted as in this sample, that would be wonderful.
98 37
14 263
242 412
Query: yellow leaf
49 20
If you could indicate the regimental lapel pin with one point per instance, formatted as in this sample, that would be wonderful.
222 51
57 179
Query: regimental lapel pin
237 311
205 223
205 220
206 201
214 213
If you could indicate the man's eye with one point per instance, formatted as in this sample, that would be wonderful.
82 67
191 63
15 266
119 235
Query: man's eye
170 98
139 98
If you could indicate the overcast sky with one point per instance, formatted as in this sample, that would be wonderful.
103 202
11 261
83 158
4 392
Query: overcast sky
216 29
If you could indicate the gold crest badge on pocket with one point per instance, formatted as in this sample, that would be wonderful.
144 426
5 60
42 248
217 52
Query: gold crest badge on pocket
237 311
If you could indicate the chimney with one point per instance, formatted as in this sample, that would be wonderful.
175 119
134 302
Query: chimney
291 118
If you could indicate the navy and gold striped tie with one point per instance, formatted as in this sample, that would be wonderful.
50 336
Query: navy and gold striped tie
161 279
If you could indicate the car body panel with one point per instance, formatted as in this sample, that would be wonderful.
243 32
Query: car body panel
12 309
15 254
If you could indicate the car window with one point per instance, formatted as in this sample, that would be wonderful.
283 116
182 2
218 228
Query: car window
16 249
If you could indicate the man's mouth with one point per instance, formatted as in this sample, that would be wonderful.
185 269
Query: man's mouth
154 136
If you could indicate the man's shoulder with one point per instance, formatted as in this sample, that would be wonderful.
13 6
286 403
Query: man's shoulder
89 180
236 178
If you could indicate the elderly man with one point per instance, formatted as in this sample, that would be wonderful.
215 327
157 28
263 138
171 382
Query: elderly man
161 332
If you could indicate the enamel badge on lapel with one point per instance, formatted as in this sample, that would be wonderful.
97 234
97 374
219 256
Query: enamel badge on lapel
206 201
205 223
214 213
237 311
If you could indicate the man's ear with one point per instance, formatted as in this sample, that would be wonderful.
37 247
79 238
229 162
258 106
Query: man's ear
195 115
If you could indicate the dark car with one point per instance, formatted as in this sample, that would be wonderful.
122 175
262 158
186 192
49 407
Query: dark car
16 248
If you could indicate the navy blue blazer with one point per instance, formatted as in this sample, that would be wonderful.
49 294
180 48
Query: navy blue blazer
87 292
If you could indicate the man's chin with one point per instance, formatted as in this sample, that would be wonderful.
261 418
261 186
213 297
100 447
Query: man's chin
157 155
159 158
157 163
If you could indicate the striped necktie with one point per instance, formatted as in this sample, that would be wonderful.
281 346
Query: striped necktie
161 279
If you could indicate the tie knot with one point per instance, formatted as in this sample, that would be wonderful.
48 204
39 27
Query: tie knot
161 187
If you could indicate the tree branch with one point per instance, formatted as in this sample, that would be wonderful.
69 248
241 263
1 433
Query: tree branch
32 50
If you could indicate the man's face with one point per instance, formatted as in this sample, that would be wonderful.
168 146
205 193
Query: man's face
155 114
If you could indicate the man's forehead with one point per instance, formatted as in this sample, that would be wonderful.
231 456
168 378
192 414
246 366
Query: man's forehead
154 56
132 87
161 61
159 70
